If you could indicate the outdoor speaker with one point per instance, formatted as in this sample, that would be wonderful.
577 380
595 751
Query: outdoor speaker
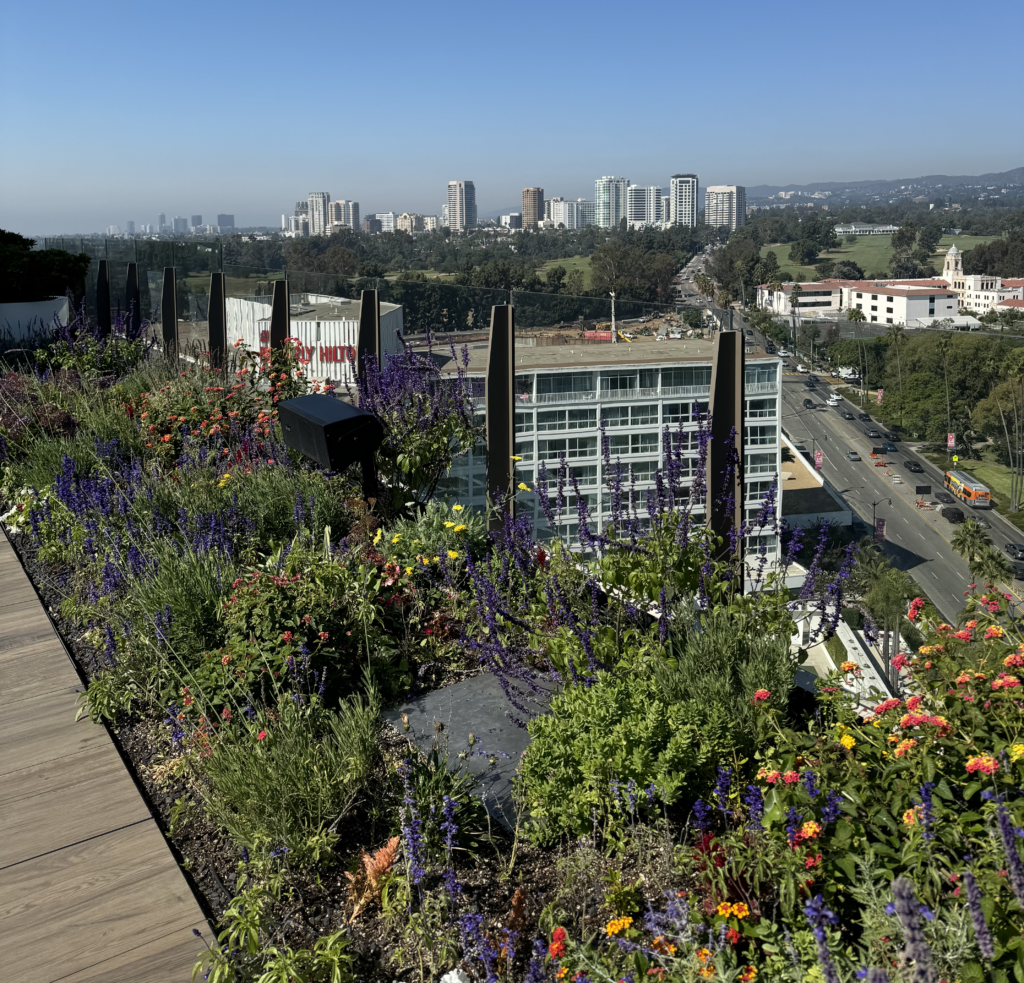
332 433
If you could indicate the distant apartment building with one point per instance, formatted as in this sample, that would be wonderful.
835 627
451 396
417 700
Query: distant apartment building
725 204
461 205
514 220
180 224
196 221
643 205
344 214
130 228
387 221
226 222
371 224
409 222
881 301
683 190
571 399
302 208
113 230
161 225
431 223
549 204
298 225
533 207
319 223
610 201
586 213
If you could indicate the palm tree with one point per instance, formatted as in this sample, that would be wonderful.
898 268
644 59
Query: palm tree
895 333
856 315
993 567
887 601
971 541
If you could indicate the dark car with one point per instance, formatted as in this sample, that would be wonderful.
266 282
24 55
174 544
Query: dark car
889 448
1018 571
873 433
808 404
847 415
951 514
945 498
813 378
809 385
1015 551
864 416
889 436
913 467
749 332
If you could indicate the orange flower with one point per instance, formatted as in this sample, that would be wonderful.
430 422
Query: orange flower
984 763
725 909
748 974
740 910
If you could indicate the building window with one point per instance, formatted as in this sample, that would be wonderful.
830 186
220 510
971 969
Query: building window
757 490
642 416
759 435
874 317
676 413
618 381
582 420
524 422
888 310
888 320
888 300
874 307
858 297
637 443
696 375
760 408
524 449
565 382
860 307
759 464
874 297
551 420
570 447
615 416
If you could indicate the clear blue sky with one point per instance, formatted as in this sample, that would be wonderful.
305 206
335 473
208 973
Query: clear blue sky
118 110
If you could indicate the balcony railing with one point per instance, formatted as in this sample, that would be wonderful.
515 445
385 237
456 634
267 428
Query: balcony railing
615 395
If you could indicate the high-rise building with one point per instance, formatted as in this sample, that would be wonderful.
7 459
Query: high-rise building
666 206
343 213
371 224
319 224
643 204
298 225
533 206
113 230
431 223
683 200
725 204
549 205
161 224
610 201
180 224
130 228
225 222
461 205
196 221
302 208
514 220
586 213
387 221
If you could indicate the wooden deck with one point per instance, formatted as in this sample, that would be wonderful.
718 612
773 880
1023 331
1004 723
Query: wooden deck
89 890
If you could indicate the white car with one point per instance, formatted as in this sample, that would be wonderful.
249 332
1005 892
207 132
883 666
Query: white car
802 368
834 400
782 353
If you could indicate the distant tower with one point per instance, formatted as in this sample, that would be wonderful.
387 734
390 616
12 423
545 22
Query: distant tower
953 266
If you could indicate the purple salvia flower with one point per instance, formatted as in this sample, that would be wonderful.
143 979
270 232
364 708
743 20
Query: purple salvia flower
818 917
982 935
1014 865
909 912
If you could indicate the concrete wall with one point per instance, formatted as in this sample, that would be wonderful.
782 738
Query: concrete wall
23 320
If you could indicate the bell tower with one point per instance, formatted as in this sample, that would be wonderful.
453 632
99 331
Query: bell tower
953 267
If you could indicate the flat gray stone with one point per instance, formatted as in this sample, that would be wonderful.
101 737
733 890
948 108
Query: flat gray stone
476 706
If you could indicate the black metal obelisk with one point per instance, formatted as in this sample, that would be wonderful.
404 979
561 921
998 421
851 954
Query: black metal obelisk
217 320
279 315
725 453
500 414
103 298
132 301
368 343
169 311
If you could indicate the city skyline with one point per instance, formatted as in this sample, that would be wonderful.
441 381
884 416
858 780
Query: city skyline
663 115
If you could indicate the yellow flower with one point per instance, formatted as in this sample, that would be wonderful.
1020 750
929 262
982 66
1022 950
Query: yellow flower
408 571
449 525
514 458
725 909
376 539
1016 752
460 528
617 925
457 508
749 974
395 538
452 555
437 559
848 741
740 910
523 486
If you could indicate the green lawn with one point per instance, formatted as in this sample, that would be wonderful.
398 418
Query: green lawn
871 253
572 263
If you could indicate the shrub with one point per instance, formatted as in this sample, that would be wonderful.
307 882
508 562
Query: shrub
289 777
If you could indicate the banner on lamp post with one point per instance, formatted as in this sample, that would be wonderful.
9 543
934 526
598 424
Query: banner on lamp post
950 441
879 530
817 459
880 392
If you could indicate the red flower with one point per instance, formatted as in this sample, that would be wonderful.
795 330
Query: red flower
324 636
286 637
733 936
761 695
261 735
226 713
557 947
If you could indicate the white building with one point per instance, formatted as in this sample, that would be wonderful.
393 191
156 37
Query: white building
461 205
431 223
572 214
643 205
683 195
387 221
344 214
610 201
564 396
319 221
514 220
883 302
725 204
978 291
865 229
409 222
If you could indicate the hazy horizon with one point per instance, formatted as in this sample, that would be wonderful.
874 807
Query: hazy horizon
129 112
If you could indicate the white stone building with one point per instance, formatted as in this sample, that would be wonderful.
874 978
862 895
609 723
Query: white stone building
643 205
978 291
725 204
883 302
683 190
564 395
610 201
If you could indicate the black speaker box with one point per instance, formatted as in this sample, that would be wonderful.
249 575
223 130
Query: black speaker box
332 433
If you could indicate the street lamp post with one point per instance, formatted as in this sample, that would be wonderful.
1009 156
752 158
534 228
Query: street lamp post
611 293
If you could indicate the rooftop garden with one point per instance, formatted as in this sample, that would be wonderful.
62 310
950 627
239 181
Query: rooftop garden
683 811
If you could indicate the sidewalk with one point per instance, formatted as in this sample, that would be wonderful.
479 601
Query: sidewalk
89 890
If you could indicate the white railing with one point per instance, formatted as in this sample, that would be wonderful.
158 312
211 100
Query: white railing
611 395
760 387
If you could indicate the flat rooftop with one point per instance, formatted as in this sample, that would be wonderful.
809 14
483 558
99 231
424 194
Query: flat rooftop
602 355
334 309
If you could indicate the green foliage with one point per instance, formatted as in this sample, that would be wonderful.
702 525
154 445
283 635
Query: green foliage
290 777
28 274
91 356
437 530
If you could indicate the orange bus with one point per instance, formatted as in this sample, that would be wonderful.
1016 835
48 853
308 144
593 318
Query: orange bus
964 487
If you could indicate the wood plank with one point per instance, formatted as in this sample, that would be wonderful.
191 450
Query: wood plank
165 960
43 728
67 800
35 670
67 911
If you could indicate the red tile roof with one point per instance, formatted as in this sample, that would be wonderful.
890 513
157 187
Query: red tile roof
1011 303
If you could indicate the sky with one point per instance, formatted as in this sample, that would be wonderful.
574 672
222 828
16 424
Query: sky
118 111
